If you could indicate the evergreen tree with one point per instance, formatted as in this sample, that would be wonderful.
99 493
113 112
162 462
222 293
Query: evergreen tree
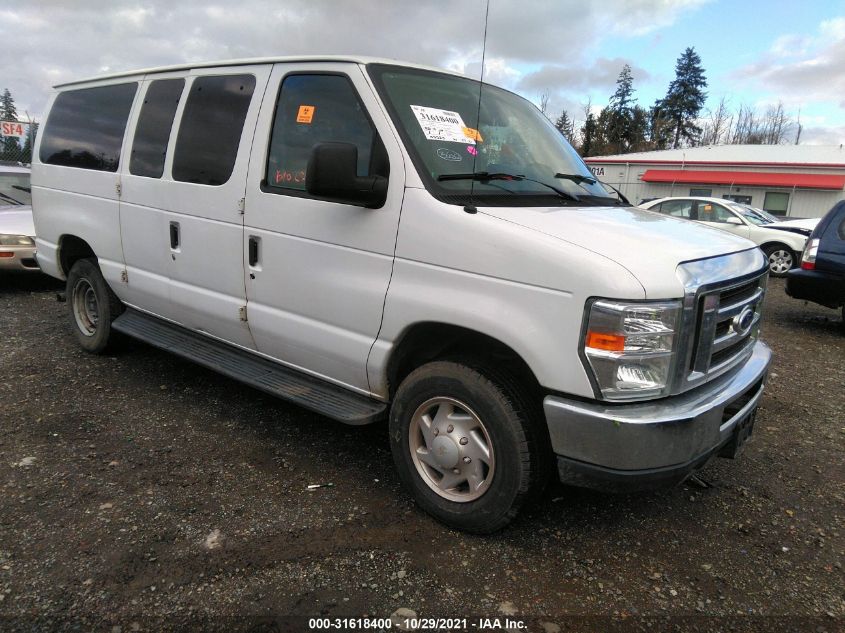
659 127
620 110
11 149
8 111
588 133
685 98
566 126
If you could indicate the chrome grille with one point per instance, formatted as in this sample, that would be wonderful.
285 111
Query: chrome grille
721 315
728 323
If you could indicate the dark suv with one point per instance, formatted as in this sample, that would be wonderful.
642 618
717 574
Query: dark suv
821 278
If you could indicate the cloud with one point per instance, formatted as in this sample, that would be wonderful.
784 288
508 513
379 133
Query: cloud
602 73
802 69
50 41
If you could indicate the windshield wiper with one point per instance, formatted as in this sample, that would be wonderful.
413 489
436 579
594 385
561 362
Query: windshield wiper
10 199
577 178
580 179
482 176
21 188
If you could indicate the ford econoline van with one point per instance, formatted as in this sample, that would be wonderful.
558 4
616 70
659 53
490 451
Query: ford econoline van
381 241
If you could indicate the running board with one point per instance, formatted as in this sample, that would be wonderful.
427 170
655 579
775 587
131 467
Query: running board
297 387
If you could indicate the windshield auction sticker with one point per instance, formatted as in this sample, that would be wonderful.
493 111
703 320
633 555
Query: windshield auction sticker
442 125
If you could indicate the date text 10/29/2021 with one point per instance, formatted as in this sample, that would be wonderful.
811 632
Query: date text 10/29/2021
416 624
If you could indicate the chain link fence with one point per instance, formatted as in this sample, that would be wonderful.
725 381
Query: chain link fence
16 141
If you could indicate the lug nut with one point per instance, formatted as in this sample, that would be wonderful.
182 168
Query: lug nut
456 471
450 428
467 460
464 441
436 431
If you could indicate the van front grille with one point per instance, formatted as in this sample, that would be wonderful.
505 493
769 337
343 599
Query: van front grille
727 323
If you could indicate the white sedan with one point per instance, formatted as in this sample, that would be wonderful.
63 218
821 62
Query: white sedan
17 231
782 242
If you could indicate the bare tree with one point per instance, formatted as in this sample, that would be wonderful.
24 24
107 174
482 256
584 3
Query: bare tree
716 129
544 102
775 125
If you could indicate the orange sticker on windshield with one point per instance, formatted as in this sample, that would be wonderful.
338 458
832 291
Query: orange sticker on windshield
305 114
474 134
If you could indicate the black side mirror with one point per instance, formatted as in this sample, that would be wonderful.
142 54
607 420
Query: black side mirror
332 173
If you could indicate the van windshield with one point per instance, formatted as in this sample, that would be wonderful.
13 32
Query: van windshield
450 139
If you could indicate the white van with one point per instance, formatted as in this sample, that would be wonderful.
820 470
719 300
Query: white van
370 240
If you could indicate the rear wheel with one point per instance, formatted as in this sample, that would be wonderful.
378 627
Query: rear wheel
92 306
781 259
468 444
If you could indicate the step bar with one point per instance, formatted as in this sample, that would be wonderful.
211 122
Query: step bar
289 384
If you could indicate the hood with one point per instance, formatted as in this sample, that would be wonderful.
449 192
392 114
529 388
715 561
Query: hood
802 227
648 244
17 220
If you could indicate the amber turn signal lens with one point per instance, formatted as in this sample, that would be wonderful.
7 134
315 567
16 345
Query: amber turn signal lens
607 342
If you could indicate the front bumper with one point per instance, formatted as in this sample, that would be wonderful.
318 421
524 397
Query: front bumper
653 444
18 258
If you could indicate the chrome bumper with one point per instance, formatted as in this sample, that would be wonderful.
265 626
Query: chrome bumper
18 258
674 435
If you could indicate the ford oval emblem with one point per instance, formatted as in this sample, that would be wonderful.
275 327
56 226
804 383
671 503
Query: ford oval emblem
743 321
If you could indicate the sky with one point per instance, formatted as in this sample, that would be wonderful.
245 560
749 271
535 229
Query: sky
753 52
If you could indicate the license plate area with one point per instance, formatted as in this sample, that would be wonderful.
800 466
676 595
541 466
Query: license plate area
741 433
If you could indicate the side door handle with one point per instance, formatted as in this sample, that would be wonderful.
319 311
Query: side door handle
174 236
253 250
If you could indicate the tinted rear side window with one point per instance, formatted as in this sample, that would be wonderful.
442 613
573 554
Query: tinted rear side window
154 124
85 127
210 131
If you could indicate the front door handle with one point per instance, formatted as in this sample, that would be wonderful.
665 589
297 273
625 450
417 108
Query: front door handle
253 251
174 236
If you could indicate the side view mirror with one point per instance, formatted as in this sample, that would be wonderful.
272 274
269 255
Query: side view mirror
333 173
733 220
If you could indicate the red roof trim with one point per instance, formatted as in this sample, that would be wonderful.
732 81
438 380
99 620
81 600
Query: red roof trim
747 178
640 161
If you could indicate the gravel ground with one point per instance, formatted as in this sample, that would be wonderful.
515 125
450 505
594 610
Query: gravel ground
140 492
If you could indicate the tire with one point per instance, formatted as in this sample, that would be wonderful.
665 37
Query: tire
471 408
92 306
781 259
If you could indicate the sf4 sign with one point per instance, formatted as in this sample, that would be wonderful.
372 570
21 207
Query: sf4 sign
12 128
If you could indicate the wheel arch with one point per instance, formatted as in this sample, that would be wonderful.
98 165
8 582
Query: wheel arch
770 243
428 341
71 249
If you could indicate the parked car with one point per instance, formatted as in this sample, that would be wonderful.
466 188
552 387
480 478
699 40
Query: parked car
821 278
361 238
781 242
17 231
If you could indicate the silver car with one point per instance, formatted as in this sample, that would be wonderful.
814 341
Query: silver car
17 231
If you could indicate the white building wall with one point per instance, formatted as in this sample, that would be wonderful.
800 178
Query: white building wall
803 203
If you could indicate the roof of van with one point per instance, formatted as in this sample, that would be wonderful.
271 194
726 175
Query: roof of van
355 59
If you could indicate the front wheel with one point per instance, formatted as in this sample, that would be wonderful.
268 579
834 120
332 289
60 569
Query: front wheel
468 444
92 306
781 259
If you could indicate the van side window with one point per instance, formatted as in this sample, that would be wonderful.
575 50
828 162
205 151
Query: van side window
153 130
210 131
85 127
314 109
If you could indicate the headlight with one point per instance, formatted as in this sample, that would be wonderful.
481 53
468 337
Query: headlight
630 347
16 240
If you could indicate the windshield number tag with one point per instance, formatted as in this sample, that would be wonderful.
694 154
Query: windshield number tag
442 125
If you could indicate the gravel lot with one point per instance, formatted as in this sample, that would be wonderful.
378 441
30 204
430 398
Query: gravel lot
140 492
